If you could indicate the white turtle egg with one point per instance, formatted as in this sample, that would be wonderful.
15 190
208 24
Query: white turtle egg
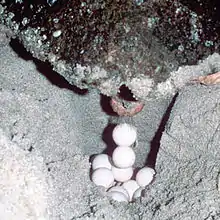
103 177
124 134
122 174
101 160
144 176
137 193
117 196
119 189
123 157
131 186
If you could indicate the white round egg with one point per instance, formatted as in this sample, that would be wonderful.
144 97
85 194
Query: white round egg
119 189
103 177
123 157
122 174
101 160
124 134
117 196
145 176
137 193
131 186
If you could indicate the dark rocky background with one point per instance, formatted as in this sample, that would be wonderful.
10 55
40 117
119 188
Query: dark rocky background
106 44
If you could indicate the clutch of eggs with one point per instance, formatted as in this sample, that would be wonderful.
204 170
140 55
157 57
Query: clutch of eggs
109 177
116 174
